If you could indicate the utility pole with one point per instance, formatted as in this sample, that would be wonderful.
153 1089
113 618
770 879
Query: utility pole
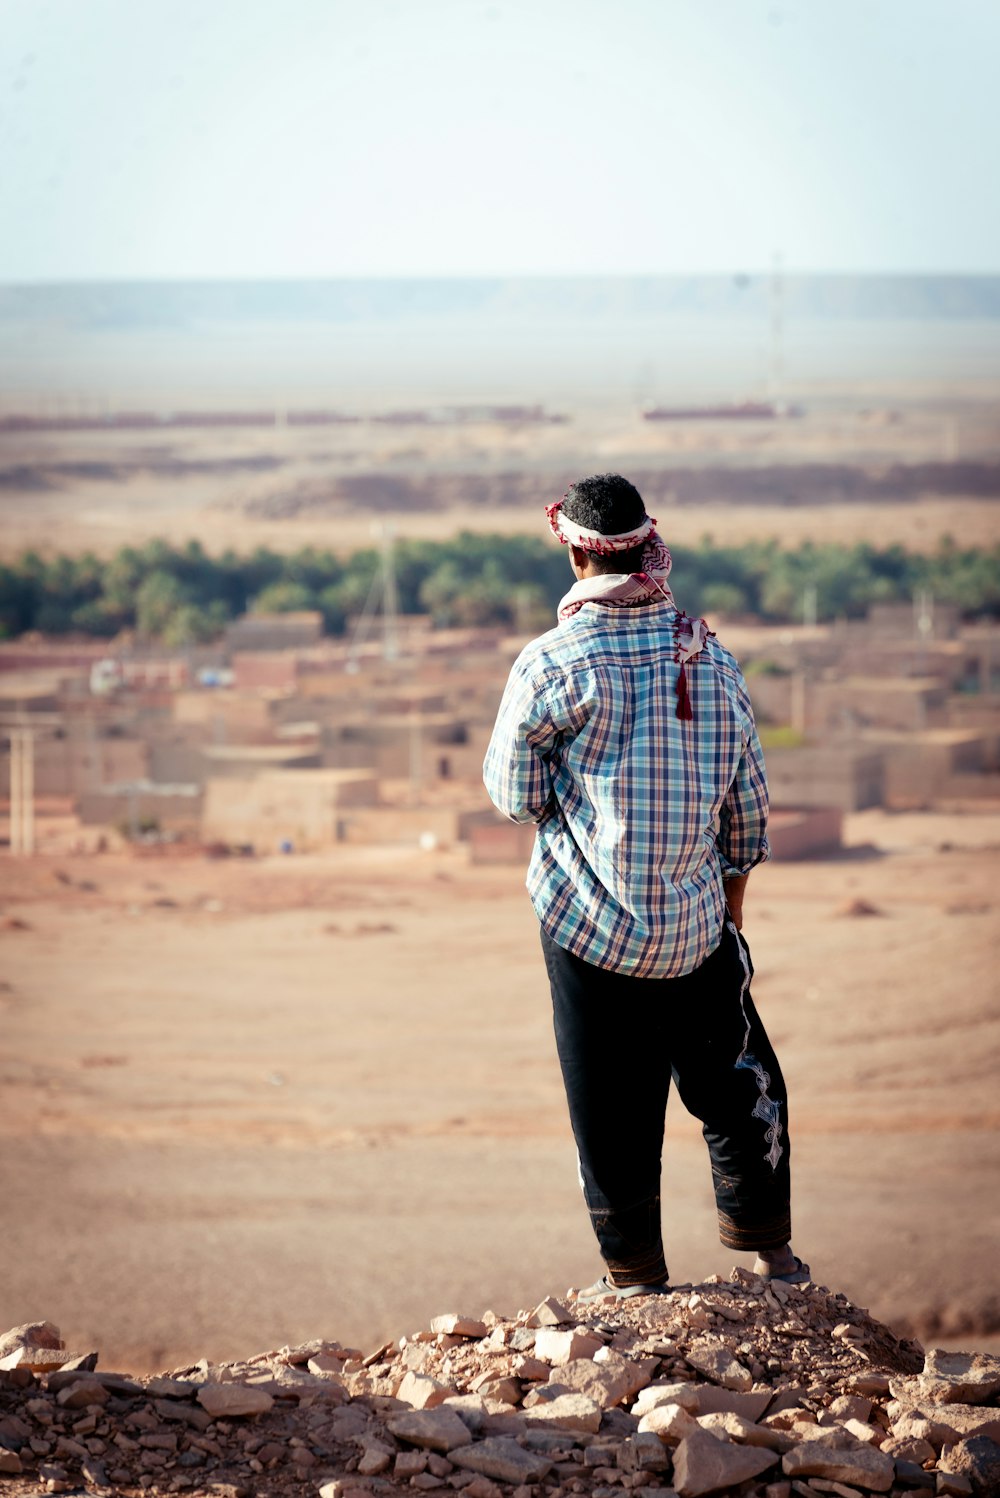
923 628
390 600
22 792
923 613
382 591
416 754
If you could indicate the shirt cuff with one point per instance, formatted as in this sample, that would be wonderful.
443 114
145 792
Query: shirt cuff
732 870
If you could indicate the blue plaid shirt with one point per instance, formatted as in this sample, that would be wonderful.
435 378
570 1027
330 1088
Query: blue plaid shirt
640 814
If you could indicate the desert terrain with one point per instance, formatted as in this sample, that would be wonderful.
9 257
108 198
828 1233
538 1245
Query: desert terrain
249 1102
253 1102
889 464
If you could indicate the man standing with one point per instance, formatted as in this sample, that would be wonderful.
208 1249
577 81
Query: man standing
626 735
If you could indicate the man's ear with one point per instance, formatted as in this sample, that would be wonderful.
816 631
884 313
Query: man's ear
578 559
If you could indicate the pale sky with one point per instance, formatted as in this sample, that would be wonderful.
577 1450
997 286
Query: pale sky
256 138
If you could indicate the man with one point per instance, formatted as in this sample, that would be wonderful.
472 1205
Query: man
626 735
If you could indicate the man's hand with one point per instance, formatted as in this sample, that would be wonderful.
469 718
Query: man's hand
734 889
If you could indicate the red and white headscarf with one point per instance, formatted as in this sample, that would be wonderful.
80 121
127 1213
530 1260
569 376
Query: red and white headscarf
571 534
625 590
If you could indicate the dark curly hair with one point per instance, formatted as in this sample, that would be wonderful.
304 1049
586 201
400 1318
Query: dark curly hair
608 503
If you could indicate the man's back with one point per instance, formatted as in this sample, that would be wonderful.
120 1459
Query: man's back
626 734
640 811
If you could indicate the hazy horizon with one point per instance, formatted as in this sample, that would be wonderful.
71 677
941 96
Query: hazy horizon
364 341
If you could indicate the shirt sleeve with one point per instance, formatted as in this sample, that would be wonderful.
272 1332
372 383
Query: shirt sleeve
742 840
516 768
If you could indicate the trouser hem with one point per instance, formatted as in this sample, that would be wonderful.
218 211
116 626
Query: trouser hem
651 1270
623 1277
756 1236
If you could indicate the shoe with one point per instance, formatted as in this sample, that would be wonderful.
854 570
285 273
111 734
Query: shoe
800 1275
604 1288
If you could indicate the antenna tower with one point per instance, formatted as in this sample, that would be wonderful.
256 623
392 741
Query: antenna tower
383 592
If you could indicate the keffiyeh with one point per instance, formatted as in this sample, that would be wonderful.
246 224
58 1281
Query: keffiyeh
624 590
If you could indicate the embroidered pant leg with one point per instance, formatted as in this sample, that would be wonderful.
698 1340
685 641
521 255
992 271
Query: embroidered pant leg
612 1044
728 1076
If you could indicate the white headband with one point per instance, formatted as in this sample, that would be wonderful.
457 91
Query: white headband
574 535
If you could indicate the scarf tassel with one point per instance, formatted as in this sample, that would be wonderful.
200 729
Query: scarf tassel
683 696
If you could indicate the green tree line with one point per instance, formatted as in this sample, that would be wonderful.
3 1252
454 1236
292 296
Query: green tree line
182 595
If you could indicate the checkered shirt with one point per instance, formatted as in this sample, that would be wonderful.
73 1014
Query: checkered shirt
640 814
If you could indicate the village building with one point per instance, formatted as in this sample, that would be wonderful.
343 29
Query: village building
281 738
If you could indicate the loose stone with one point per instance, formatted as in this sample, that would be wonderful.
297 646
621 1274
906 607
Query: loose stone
669 1422
81 1393
549 1312
704 1465
979 1460
458 1326
502 1458
233 1399
863 1467
421 1392
559 1347
643 1452
718 1364
374 1459
439 1429
960 1377
568 1412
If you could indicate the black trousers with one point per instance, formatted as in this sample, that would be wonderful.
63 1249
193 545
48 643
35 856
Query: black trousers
620 1040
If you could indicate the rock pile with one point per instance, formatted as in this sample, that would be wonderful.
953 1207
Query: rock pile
729 1387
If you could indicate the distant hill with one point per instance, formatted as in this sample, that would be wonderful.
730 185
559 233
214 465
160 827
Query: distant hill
179 304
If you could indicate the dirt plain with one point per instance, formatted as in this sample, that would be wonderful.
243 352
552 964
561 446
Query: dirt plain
254 1101
885 466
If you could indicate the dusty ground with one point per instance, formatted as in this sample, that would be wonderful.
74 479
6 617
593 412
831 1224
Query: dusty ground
248 1103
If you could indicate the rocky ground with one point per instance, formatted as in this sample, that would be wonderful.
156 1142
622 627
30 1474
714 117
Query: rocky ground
731 1387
